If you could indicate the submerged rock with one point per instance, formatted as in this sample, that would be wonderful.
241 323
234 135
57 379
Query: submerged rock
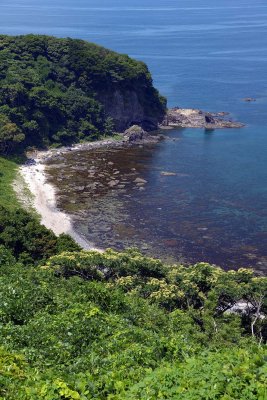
140 180
113 183
166 173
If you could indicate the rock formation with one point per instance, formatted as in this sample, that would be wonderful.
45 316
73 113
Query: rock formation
194 118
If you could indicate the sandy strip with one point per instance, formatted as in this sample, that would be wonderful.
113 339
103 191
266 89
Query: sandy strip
44 202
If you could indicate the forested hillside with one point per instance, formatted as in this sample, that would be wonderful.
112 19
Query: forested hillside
64 90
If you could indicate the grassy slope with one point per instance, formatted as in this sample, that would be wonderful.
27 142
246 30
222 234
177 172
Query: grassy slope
8 171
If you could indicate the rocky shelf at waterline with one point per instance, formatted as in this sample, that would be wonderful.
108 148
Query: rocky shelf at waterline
135 135
195 118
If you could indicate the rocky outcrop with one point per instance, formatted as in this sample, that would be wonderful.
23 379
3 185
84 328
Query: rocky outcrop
194 118
136 134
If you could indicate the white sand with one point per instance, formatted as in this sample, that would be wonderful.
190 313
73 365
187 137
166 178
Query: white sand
44 199
44 202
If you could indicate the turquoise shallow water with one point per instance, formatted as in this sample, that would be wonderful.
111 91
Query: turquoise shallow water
206 54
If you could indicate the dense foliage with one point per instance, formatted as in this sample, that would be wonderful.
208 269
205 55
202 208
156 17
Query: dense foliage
28 240
86 325
51 90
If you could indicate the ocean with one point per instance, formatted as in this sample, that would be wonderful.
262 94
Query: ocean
206 54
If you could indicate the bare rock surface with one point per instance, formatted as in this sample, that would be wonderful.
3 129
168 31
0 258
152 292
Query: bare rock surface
195 118
136 134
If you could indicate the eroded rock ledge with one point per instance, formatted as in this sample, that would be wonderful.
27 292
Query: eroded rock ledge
194 118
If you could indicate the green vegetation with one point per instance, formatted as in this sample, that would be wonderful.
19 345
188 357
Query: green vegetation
8 171
20 232
85 325
53 91
27 239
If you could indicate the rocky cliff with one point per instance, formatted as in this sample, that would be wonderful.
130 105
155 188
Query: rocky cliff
64 90
127 108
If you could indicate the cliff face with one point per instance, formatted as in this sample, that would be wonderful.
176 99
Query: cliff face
126 108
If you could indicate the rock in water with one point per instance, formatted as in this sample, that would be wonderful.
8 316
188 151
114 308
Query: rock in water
166 173
140 180
194 118
113 183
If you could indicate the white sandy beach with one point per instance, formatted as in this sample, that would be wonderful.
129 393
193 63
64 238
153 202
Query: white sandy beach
43 200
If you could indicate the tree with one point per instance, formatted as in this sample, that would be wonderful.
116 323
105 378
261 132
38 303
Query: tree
109 126
10 135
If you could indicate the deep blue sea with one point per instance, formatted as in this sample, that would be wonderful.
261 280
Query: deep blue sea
207 54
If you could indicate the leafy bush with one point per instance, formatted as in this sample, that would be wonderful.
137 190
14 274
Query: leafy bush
110 264
85 325
226 375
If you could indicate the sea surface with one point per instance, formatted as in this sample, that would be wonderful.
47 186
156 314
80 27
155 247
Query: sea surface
207 54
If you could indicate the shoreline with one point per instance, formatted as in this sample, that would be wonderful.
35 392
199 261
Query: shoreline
40 195
44 156
42 200
175 118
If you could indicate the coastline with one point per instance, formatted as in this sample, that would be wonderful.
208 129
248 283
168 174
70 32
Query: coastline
37 195
47 155
42 200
